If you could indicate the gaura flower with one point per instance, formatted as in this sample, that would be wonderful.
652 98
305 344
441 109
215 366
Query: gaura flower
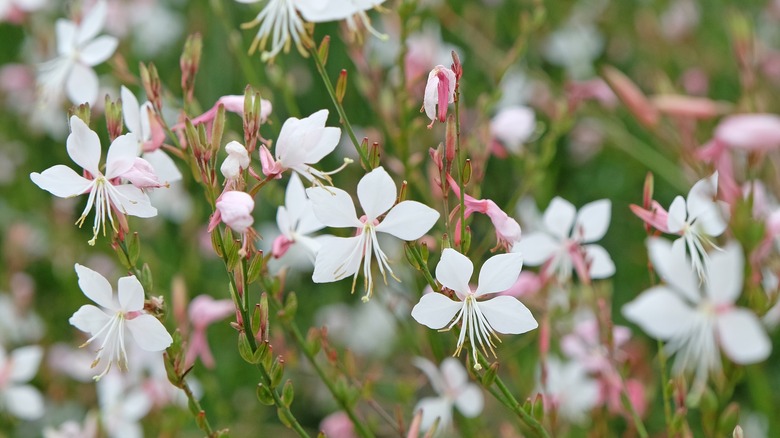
301 143
296 220
279 20
569 390
340 257
236 162
106 193
119 317
16 396
79 50
696 322
480 319
204 311
563 245
234 209
440 90
451 383
513 126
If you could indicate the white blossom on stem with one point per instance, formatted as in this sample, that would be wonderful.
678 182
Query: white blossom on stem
451 383
481 320
119 317
16 396
296 220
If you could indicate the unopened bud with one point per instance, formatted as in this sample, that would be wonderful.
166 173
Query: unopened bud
632 97
457 67
323 50
82 111
341 86
189 63
114 122
151 81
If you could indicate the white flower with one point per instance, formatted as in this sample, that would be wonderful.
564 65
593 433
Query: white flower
302 142
695 219
513 126
122 405
16 396
279 20
140 121
236 162
296 220
481 319
84 149
563 247
120 316
340 257
79 50
696 322
569 389
454 389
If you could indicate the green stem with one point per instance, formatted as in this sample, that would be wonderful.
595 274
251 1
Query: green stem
665 388
339 107
460 162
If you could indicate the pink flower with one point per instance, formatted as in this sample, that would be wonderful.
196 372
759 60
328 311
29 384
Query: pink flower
204 311
234 209
338 424
235 104
753 132
440 90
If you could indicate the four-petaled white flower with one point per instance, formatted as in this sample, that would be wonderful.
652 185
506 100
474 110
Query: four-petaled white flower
481 319
141 121
105 191
79 50
562 247
120 316
695 322
301 143
16 396
695 219
296 220
340 257
454 389
279 20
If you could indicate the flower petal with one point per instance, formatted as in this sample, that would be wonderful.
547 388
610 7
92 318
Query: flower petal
82 84
702 195
24 402
453 373
61 181
337 258
131 201
660 312
24 363
499 273
725 271
409 220
433 408
131 111
454 271
84 146
470 401
66 36
601 264
149 333
89 319
677 215
121 155
593 220
131 294
92 22
742 337
559 217
295 197
435 310
376 192
98 50
164 167
673 268
333 207
432 372
536 248
508 315
96 287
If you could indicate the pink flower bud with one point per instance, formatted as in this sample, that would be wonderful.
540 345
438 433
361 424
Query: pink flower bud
235 210
689 107
440 90
631 96
280 246
750 131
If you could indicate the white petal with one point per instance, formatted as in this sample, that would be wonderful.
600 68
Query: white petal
742 337
376 192
121 155
61 181
149 333
82 85
96 287
25 362
132 201
66 36
92 23
337 258
470 401
673 268
660 312
89 319
559 217
701 197
131 294
677 215
98 50
84 146
601 264
295 199
164 166
24 402
453 373
712 220
508 315
725 271
409 220
435 310
536 248
430 97
454 271
131 111
333 207
326 141
499 273
593 220
432 372
433 408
